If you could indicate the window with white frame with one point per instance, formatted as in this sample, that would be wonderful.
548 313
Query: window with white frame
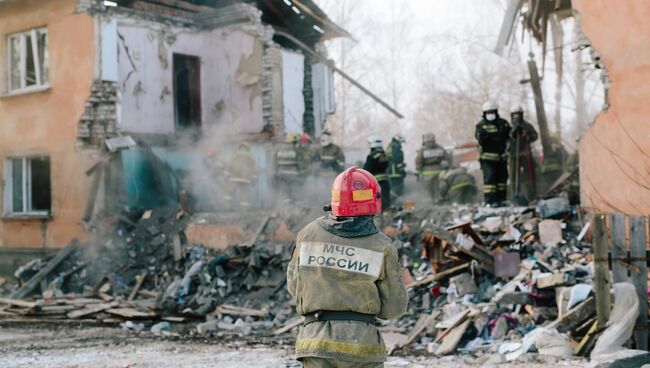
27 60
27 187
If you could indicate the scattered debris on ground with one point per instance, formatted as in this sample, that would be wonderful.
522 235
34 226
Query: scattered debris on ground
491 283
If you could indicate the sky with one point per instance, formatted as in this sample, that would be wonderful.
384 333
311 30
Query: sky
402 47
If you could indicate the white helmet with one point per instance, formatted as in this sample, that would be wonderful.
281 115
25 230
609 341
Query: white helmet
399 138
517 108
375 141
490 106
325 139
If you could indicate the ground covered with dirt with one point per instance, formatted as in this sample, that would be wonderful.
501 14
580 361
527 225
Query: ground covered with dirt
68 347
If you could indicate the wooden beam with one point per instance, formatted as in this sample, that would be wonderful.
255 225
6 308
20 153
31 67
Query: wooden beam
619 248
327 62
602 282
439 275
539 107
30 285
640 280
138 285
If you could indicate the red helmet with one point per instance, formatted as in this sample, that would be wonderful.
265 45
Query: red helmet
355 192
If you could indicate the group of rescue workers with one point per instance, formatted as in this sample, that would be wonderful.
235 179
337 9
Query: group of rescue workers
505 155
504 149
344 273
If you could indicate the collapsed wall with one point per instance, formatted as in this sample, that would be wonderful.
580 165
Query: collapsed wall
614 153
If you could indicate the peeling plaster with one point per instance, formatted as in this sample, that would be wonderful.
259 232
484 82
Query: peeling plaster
250 70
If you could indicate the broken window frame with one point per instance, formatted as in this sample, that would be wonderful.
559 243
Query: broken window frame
26 181
41 67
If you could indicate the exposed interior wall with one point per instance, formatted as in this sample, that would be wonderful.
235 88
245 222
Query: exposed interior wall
615 152
230 68
46 122
292 90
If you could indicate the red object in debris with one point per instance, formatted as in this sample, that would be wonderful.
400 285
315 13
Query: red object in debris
435 291
355 192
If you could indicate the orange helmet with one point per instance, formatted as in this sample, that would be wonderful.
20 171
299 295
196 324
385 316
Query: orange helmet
355 192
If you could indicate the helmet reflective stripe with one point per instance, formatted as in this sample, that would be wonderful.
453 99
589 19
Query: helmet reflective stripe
356 192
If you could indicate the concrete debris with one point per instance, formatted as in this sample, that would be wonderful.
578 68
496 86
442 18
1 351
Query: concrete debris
473 289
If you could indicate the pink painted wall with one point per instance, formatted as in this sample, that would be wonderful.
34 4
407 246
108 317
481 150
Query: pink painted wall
615 152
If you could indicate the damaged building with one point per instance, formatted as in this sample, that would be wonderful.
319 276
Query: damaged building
173 78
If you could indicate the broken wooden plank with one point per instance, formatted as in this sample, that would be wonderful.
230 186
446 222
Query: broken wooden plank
439 275
602 283
259 230
131 313
619 247
588 341
451 340
30 285
455 321
575 316
176 319
92 309
19 303
554 280
138 284
148 293
176 240
423 321
239 311
640 280
289 326
393 340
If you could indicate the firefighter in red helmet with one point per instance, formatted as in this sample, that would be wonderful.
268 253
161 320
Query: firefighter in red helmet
343 275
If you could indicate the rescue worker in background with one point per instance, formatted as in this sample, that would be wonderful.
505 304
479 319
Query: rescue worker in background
330 156
456 185
289 166
330 161
493 133
522 162
428 164
377 164
397 168
343 275
241 172
553 165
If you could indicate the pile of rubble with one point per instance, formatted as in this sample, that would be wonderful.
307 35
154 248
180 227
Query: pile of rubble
495 282
144 267
492 282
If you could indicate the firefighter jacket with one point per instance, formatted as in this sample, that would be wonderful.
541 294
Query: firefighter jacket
555 160
289 162
241 166
397 167
332 159
355 270
526 134
429 158
454 180
493 138
377 164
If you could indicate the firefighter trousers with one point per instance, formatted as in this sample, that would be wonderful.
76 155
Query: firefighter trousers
495 180
385 194
314 362
397 185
